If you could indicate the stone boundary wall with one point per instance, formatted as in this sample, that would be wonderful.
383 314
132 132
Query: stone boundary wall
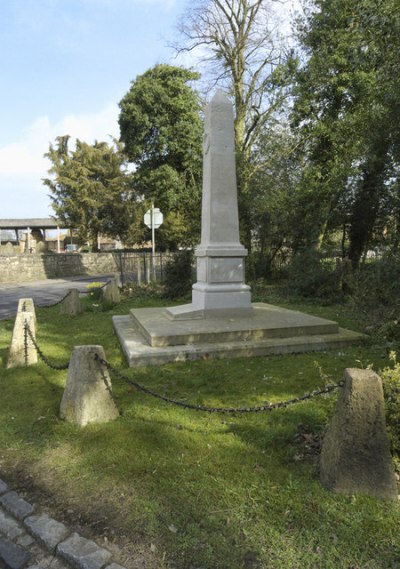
35 267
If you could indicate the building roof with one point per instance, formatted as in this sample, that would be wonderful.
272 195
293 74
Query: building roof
33 223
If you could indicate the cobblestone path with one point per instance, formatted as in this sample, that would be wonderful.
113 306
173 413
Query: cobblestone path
32 540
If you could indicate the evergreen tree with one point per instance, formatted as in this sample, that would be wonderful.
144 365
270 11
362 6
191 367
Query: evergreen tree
91 190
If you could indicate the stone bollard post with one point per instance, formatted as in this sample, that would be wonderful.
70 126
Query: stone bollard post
111 292
355 457
22 351
87 396
27 305
71 304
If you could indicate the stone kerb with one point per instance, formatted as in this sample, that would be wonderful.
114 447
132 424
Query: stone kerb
22 351
71 305
87 396
355 457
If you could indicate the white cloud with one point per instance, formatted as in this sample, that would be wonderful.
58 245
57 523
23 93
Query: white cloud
22 162
23 196
26 155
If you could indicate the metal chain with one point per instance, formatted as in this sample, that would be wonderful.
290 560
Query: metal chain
95 288
69 292
25 340
57 367
58 301
257 409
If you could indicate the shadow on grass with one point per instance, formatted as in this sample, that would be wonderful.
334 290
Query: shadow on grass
225 495
204 491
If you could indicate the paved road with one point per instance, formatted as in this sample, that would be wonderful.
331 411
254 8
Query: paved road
43 292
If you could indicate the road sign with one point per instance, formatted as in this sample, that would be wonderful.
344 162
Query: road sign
157 218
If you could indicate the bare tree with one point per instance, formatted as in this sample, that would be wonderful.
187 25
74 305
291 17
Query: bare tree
244 53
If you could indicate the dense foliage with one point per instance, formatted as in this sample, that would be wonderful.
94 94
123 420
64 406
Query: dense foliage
391 386
347 112
91 190
179 275
161 128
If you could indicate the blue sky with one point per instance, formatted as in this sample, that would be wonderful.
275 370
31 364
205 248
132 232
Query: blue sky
65 65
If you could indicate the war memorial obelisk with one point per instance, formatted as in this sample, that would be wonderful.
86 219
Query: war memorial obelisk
221 321
220 286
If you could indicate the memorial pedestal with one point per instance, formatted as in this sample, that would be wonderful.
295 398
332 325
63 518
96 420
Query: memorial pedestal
149 337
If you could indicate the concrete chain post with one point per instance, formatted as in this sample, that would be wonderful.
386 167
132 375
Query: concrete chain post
22 352
87 396
355 457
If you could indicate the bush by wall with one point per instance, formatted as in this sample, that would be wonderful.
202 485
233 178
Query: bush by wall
391 387
179 275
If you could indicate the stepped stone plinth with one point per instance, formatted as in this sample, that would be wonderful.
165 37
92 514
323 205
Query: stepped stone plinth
264 322
221 321
148 337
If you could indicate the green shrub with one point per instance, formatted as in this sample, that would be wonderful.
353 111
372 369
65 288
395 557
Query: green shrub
95 291
376 297
153 290
391 387
312 275
95 301
376 282
179 275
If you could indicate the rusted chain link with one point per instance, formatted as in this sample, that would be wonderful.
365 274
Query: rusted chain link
95 288
58 301
25 340
45 359
257 409
69 292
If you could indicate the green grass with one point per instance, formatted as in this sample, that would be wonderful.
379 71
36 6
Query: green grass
190 489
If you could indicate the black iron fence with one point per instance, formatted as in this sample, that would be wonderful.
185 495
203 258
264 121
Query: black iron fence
141 268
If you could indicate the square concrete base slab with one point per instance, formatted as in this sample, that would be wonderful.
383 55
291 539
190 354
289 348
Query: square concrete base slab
264 321
149 337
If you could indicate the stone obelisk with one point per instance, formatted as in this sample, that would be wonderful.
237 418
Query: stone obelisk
220 288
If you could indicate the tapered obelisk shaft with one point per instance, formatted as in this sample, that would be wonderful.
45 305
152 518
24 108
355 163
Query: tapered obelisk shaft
220 219
220 287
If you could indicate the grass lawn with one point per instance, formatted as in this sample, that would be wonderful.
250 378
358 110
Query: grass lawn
174 488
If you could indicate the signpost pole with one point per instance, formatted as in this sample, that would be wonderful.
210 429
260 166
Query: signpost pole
153 218
153 241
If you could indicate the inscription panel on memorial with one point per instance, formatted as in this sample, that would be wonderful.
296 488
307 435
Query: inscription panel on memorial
226 270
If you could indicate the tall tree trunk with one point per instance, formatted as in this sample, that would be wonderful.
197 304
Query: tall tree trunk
367 202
